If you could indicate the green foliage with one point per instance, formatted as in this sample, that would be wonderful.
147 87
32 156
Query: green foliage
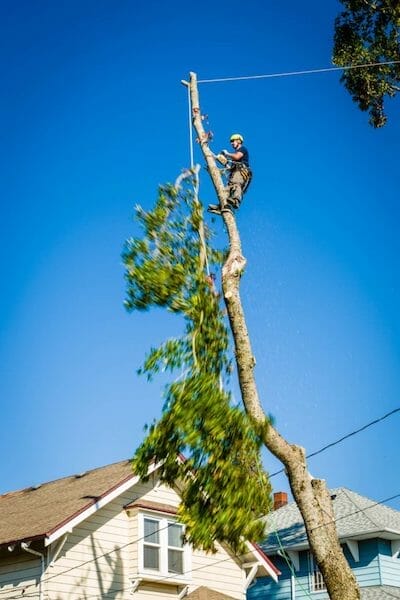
223 486
366 32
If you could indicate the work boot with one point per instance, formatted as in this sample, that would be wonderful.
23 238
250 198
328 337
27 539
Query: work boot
216 209
234 202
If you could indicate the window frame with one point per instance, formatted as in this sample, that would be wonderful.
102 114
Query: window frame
163 571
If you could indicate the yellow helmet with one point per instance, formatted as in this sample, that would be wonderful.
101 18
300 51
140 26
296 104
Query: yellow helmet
236 136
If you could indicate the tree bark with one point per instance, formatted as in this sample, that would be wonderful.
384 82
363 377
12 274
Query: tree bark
311 495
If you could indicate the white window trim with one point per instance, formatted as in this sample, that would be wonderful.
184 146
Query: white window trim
162 574
314 569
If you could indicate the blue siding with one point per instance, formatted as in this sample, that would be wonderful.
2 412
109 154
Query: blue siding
266 589
375 567
367 569
390 567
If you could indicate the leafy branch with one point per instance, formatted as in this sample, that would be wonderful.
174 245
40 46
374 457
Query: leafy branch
224 488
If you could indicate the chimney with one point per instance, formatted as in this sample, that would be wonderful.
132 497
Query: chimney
280 499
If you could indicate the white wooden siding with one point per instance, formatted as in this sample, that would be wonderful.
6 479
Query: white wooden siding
18 572
99 559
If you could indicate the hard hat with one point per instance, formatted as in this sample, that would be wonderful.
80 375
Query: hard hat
236 136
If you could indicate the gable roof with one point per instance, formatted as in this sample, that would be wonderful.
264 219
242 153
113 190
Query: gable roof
380 592
205 593
47 511
40 511
356 517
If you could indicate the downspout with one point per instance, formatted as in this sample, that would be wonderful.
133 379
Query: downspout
292 587
25 546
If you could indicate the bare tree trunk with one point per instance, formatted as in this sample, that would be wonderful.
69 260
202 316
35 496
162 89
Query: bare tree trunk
311 495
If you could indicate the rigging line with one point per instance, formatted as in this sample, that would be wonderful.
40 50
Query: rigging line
304 72
288 561
345 437
196 187
190 129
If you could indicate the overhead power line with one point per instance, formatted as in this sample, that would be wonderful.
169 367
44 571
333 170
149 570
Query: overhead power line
297 73
347 436
167 577
135 541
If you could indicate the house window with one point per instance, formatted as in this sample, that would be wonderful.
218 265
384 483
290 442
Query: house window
316 580
163 550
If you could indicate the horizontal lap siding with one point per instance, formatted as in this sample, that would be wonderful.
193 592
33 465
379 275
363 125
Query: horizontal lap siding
149 591
267 589
218 571
161 494
17 573
109 532
110 537
367 569
390 570
106 536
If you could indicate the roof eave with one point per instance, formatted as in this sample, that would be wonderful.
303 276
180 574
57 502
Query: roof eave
263 559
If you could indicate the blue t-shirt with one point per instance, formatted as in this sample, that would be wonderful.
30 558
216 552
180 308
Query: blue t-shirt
245 158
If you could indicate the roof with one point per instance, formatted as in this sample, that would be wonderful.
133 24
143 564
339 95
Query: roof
51 509
356 517
205 593
380 592
37 512
264 562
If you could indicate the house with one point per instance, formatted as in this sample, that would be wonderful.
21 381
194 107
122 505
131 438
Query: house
107 534
369 533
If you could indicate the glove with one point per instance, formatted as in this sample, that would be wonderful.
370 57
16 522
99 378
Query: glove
224 152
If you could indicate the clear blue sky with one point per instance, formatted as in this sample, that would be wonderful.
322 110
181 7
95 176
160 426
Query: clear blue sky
93 118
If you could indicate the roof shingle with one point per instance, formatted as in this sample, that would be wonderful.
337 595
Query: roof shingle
355 515
380 592
32 513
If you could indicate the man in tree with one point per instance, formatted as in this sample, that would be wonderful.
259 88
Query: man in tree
240 173
225 489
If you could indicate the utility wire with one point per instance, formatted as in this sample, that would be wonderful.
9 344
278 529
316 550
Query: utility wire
90 560
374 422
304 72
351 514
166 577
159 579
289 562
46 580
345 437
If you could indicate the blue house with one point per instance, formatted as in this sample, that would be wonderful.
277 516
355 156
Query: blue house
369 533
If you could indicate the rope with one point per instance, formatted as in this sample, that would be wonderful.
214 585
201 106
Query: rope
288 561
305 72
196 186
190 129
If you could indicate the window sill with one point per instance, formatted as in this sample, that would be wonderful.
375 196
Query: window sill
161 578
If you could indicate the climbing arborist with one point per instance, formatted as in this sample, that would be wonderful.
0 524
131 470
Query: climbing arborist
239 174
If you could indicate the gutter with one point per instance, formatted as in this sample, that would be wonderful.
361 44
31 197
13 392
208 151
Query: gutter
25 546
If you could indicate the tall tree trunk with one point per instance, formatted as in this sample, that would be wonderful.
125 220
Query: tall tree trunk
311 495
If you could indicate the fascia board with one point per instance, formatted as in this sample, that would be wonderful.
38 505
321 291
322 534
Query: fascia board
67 526
261 559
